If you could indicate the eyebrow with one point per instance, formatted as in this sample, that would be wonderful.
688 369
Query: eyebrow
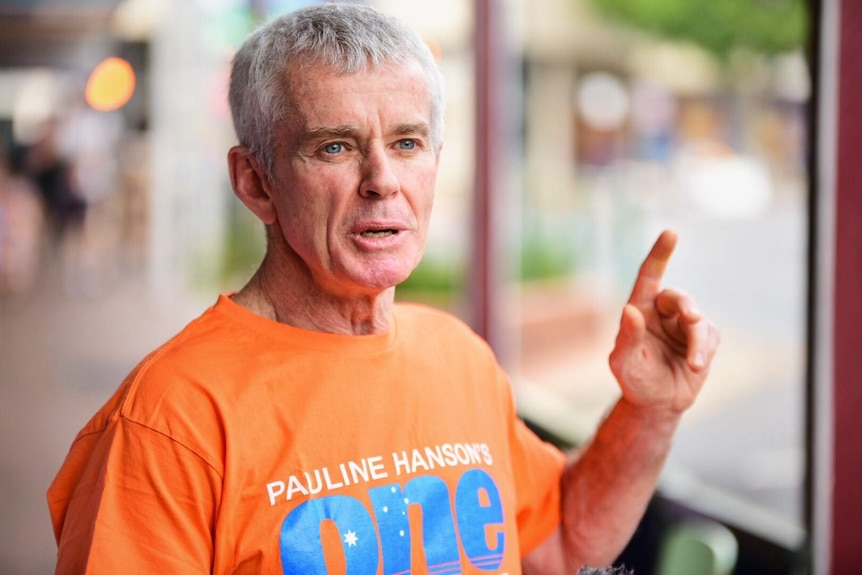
325 132
408 128
352 130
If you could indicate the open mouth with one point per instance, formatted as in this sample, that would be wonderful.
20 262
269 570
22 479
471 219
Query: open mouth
382 233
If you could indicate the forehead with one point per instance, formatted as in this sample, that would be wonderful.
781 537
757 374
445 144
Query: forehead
319 96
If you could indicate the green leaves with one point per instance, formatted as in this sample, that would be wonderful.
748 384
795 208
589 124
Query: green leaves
764 26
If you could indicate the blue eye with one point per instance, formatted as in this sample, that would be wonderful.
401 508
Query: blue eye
333 148
407 144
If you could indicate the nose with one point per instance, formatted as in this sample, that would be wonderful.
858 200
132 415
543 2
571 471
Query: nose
378 178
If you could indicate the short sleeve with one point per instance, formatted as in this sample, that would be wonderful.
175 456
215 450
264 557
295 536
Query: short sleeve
142 503
537 467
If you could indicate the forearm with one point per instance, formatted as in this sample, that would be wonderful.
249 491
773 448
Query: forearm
608 485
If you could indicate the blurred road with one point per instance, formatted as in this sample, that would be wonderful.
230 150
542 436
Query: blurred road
60 358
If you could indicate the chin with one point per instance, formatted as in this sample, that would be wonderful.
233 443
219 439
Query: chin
378 281
390 281
383 276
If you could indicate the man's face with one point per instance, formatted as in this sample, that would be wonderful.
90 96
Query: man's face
355 170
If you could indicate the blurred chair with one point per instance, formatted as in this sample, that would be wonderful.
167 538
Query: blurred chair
697 547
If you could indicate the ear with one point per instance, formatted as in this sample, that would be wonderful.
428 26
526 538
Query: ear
250 184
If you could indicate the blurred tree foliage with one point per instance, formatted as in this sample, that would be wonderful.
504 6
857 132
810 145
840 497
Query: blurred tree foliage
764 26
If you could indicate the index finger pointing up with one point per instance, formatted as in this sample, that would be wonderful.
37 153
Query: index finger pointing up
648 283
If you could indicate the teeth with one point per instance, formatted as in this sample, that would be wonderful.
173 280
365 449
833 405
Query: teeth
376 233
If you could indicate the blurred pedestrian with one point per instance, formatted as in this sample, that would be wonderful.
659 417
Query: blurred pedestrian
64 204
21 228
51 170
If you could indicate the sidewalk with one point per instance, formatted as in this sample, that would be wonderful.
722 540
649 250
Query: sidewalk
60 359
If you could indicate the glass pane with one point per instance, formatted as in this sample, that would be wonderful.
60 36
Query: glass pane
629 130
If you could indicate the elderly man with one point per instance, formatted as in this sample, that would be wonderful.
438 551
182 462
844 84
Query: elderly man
307 423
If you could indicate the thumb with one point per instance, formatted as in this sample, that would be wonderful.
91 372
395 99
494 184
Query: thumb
629 337
632 327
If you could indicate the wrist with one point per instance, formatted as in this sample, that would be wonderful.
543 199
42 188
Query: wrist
652 416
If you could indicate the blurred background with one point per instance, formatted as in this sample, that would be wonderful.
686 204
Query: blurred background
576 130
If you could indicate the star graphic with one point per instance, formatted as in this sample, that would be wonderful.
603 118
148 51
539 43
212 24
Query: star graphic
350 538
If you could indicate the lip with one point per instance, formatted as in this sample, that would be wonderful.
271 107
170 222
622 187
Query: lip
371 242
367 225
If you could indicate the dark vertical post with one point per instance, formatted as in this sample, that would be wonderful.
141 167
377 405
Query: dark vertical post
847 308
836 373
482 270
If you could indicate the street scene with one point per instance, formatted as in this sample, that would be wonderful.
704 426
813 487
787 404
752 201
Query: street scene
118 224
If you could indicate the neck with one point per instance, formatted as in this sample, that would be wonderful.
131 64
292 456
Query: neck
294 299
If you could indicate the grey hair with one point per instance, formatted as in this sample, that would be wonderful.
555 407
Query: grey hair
349 38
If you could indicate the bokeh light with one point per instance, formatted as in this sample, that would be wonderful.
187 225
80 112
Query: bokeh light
110 85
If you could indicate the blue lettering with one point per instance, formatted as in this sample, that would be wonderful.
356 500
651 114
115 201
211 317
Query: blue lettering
478 512
301 543
391 514
475 517
438 526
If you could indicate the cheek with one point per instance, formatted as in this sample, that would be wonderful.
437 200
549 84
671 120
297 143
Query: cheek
427 205
421 184
301 219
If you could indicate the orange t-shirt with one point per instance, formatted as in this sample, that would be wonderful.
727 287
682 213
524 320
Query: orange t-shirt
247 446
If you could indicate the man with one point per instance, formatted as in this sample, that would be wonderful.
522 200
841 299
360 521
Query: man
307 423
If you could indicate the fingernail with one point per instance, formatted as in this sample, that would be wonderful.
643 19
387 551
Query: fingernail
698 360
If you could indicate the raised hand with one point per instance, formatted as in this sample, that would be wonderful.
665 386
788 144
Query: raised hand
664 346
